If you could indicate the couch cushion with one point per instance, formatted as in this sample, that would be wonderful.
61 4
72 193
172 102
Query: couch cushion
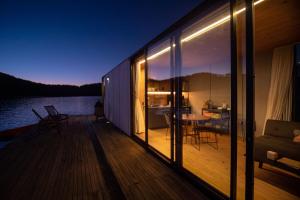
285 147
297 139
280 128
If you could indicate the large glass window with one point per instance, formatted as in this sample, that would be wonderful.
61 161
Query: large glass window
203 62
159 96
206 75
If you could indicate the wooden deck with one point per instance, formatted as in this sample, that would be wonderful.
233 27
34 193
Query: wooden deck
87 161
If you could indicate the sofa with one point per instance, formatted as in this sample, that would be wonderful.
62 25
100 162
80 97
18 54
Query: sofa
278 137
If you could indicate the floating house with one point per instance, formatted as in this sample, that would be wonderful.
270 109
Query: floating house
216 97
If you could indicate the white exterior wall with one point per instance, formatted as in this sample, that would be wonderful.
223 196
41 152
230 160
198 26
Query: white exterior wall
117 96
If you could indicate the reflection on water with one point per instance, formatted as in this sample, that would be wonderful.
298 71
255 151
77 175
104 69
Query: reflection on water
17 112
3 143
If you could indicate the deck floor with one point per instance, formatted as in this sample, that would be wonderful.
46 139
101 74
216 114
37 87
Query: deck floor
89 160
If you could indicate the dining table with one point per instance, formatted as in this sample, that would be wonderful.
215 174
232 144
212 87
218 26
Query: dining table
194 118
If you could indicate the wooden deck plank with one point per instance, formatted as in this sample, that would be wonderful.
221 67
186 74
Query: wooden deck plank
149 178
52 166
53 176
67 166
16 180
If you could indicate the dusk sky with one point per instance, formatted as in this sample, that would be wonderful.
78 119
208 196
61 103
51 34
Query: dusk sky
76 42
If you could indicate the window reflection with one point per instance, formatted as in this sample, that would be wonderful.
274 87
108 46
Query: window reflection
241 100
206 72
159 98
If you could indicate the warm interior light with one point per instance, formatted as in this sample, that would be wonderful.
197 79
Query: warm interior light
141 62
199 32
159 53
239 11
159 92
206 29
257 2
215 24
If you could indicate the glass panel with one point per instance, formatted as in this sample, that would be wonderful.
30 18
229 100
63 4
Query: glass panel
276 150
241 99
206 75
159 98
139 98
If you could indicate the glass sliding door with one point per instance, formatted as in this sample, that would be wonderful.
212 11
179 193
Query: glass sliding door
159 96
206 98
200 54
139 98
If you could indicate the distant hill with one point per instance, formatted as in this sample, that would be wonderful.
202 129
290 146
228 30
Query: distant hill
11 86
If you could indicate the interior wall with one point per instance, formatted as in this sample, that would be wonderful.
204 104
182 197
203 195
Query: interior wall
200 90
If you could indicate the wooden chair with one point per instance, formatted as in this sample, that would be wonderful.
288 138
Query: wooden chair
55 115
209 129
45 123
185 124
220 125
167 117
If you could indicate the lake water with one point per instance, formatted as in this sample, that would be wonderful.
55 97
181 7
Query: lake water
17 112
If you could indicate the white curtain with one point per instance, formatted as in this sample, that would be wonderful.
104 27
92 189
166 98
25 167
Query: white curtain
280 94
139 107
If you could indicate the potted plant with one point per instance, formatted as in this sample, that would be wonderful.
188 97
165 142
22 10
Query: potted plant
99 110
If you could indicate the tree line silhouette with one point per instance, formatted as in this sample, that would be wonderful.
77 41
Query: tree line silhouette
11 86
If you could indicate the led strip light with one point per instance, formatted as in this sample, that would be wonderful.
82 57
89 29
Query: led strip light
159 92
198 33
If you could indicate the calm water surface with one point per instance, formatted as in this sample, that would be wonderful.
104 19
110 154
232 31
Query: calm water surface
17 112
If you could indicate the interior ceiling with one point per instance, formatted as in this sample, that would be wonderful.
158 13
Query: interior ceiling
277 23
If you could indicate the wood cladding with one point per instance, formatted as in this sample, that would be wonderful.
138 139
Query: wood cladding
277 23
